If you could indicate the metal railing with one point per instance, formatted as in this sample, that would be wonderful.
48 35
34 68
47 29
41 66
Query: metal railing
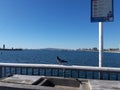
87 72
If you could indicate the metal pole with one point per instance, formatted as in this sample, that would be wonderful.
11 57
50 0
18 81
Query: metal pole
100 43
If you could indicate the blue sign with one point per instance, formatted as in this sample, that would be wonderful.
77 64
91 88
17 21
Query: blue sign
102 11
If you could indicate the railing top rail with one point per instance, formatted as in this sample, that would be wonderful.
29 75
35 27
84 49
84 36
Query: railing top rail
89 68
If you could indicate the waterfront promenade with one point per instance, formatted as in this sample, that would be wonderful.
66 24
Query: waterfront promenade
16 75
29 82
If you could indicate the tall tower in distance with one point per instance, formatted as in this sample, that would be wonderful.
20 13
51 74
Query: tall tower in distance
3 46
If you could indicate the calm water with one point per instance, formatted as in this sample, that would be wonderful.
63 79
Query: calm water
49 57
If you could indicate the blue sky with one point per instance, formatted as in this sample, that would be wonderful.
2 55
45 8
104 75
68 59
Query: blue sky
54 24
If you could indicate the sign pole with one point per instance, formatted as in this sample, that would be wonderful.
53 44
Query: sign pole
100 43
101 11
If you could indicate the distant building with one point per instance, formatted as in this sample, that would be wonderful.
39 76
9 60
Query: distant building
3 46
94 49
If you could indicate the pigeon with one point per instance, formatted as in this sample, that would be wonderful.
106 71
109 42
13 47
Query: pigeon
60 61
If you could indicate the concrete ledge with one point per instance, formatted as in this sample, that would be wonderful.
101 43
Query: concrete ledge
104 85
27 82
21 79
12 86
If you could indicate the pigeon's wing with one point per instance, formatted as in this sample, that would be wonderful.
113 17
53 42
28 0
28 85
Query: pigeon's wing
58 58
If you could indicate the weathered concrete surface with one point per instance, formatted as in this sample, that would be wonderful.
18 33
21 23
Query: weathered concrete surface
104 85
85 86
60 81
21 79
26 82
12 86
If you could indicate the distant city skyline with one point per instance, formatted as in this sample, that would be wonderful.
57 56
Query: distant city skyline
65 24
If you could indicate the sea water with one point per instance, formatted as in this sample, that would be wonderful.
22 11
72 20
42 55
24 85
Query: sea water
45 56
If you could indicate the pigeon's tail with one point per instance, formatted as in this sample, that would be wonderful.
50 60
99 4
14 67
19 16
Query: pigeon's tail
64 61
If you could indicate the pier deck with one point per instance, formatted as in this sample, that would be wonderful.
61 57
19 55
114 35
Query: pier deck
27 82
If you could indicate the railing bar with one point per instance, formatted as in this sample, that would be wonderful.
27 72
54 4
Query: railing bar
10 70
5 71
36 71
78 73
32 71
45 71
71 73
64 72
26 70
101 75
21 70
108 75
0 72
60 72
57 72
51 71
93 76
116 76
39 71
15 70
85 74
